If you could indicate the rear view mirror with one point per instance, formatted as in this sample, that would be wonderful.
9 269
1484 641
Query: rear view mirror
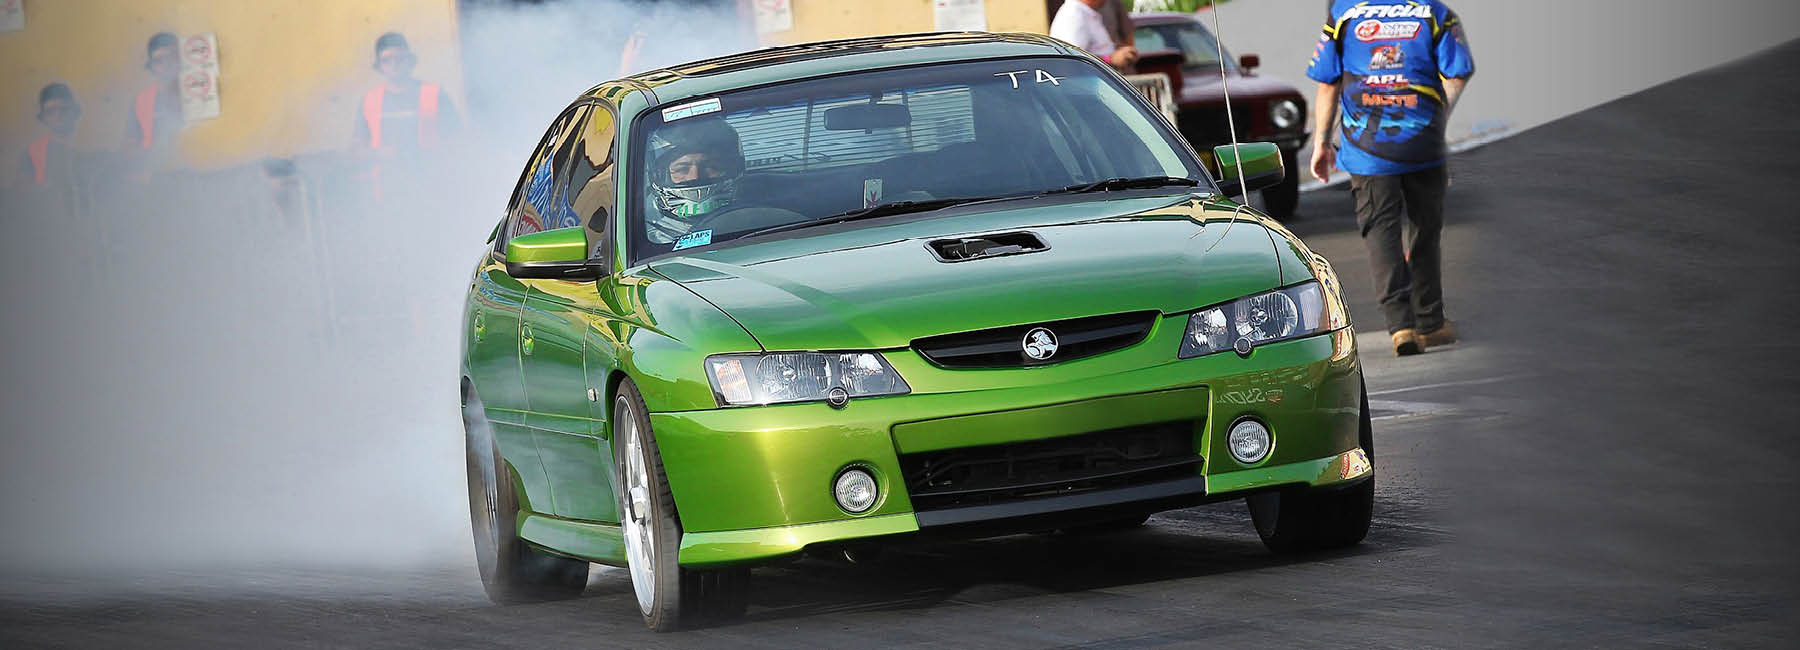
559 254
862 117
1261 162
1249 62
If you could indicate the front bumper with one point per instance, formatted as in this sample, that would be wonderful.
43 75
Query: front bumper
755 483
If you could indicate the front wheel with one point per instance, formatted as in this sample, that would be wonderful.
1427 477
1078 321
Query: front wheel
668 595
1298 520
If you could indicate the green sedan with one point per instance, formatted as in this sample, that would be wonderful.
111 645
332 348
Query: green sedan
840 294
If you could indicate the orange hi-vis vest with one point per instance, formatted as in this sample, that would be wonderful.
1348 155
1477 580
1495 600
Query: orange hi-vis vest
428 112
145 108
40 158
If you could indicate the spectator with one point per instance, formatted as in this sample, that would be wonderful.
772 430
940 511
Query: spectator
1079 23
402 114
49 162
401 117
1396 68
1118 22
155 115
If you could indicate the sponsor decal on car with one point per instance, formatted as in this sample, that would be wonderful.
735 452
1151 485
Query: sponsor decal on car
691 109
1388 11
692 239
1375 30
1387 57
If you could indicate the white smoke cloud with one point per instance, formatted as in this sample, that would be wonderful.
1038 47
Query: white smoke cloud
196 381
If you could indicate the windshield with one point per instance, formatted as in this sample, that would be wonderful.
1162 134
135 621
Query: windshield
1197 47
724 167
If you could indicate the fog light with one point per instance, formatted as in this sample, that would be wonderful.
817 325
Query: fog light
855 490
1249 442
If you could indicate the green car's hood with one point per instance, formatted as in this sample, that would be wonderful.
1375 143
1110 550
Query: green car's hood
878 287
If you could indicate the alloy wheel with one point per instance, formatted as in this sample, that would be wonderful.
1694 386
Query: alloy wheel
639 520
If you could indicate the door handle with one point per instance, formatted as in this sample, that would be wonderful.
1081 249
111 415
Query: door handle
526 342
480 325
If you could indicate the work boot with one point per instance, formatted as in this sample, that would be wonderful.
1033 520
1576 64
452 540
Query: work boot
1407 342
1443 335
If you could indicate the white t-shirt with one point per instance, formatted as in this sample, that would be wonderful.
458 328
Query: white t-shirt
1081 26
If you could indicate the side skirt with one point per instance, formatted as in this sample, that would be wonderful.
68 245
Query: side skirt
583 540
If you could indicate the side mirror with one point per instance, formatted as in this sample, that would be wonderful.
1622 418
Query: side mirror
559 254
1262 167
1249 62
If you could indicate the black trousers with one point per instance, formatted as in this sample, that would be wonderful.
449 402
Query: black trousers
1402 217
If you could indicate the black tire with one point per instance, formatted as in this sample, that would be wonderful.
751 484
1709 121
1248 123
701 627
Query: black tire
1282 200
1300 520
680 596
511 571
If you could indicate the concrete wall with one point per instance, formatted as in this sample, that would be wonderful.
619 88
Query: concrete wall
291 71
818 20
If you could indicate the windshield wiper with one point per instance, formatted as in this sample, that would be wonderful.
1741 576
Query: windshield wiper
1111 184
882 210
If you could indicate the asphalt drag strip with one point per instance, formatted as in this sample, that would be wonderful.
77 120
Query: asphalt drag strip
1607 460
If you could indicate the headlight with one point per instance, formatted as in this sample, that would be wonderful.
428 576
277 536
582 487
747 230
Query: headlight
1299 310
1284 113
741 379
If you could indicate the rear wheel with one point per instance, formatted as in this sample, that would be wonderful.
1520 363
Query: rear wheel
668 595
511 571
1298 520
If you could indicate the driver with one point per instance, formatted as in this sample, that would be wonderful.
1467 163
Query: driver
694 169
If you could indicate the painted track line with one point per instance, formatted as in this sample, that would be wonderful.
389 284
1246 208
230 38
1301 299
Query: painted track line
1447 384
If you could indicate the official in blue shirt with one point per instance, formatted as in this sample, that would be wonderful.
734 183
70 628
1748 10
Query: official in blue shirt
1389 72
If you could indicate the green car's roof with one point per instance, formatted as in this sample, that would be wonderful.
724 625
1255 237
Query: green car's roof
774 64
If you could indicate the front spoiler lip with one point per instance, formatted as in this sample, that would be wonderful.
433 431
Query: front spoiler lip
737 547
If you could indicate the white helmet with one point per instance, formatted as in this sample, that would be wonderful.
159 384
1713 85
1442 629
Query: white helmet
678 204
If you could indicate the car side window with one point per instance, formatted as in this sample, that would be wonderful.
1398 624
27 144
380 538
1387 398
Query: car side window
533 207
589 188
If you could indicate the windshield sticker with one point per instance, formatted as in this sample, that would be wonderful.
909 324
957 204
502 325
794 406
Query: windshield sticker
692 239
871 192
691 109
1040 77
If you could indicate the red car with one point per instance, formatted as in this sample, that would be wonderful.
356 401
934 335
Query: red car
1267 109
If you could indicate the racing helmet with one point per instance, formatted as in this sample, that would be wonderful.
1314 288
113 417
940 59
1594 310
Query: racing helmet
686 200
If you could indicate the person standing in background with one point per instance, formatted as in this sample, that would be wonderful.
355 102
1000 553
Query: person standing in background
400 119
402 115
48 168
155 119
1396 69
155 115
1118 22
1079 23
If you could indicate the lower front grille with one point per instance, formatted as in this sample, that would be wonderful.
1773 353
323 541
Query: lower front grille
991 474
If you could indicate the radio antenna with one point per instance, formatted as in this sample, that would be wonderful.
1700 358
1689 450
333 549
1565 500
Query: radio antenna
1237 157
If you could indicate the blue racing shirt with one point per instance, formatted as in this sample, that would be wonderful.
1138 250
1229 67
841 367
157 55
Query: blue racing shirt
1389 59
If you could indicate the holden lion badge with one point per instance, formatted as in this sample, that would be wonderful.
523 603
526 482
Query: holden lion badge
1040 344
